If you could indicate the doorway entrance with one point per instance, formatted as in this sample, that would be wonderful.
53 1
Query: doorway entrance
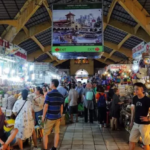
82 75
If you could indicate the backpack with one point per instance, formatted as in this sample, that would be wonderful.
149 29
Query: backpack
89 95
102 101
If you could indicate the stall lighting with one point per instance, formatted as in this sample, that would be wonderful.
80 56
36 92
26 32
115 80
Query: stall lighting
26 78
4 77
6 70
33 76
12 72
7 59
0 71
135 68
26 65
31 68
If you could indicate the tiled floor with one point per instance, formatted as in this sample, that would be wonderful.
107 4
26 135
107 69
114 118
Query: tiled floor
81 136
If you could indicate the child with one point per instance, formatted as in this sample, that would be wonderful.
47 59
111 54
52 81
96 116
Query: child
6 138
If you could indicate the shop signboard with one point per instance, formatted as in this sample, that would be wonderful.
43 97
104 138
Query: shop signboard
7 48
39 66
117 67
147 48
138 50
77 31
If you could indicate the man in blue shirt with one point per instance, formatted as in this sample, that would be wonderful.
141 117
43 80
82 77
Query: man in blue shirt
61 89
52 112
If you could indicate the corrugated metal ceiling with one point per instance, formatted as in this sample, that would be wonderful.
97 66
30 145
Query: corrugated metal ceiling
10 8
120 14
42 57
132 42
107 50
114 35
30 46
45 37
40 16
145 4
118 54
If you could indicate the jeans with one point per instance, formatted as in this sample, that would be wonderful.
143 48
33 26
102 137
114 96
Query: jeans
102 115
37 114
86 114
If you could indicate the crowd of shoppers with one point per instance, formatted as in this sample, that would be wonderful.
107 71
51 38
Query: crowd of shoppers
49 105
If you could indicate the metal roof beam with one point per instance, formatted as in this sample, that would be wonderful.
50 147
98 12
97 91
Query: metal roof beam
22 36
30 7
48 60
36 54
10 22
113 3
114 58
141 34
52 57
133 7
38 43
45 3
104 62
125 51
109 13
60 62
124 40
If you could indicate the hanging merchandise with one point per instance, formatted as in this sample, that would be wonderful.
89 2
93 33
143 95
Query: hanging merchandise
138 50
9 49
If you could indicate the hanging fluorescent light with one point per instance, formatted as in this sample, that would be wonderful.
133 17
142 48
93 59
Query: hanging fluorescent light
12 72
6 70
26 65
31 68
7 59
33 76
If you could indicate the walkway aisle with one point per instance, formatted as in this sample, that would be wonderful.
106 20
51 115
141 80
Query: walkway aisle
80 136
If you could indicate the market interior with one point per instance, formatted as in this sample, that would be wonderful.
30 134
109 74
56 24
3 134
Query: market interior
101 46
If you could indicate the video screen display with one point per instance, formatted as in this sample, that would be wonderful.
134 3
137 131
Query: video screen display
77 28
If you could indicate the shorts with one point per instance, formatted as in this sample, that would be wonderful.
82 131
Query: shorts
73 109
49 124
140 130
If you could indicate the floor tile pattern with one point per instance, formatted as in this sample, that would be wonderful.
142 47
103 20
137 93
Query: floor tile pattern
81 136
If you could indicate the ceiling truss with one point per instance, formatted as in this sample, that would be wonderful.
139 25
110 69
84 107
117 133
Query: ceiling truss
14 34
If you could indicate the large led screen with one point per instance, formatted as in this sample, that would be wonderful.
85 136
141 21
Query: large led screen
77 31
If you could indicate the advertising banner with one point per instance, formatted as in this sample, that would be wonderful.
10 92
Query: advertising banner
138 50
9 49
116 67
77 31
147 48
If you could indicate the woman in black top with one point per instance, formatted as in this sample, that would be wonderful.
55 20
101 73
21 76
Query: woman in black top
115 108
